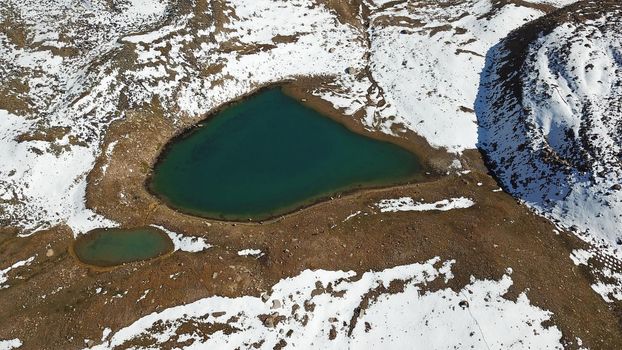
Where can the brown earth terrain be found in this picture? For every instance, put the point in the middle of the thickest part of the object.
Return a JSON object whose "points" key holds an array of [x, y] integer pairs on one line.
{"points": [[57, 302]]}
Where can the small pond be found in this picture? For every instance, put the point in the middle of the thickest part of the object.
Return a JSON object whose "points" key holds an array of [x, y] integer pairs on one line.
{"points": [[268, 155], [115, 246]]}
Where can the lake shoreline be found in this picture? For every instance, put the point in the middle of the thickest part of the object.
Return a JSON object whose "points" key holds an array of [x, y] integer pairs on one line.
{"points": [[146, 133], [92, 235], [421, 175]]}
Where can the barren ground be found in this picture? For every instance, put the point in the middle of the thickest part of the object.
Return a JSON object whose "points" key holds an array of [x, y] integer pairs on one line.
{"points": [[485, 240]]}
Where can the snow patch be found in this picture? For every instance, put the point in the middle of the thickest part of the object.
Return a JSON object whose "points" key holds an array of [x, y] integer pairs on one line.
{"points": [[251, 252], [581, 256], [408, 204], [10, 344], [190, 244], [609, 287], [352, 215], [477, 315], [3, 273]]}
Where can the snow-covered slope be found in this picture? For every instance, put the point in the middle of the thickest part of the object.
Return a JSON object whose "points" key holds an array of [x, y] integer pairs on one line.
{"points": [[340, 310], [550, 110], [426, 58], [56, 100]]}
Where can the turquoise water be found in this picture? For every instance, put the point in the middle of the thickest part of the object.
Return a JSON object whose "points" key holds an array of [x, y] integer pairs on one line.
{"points": [[113, 246], [269, 155]]}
